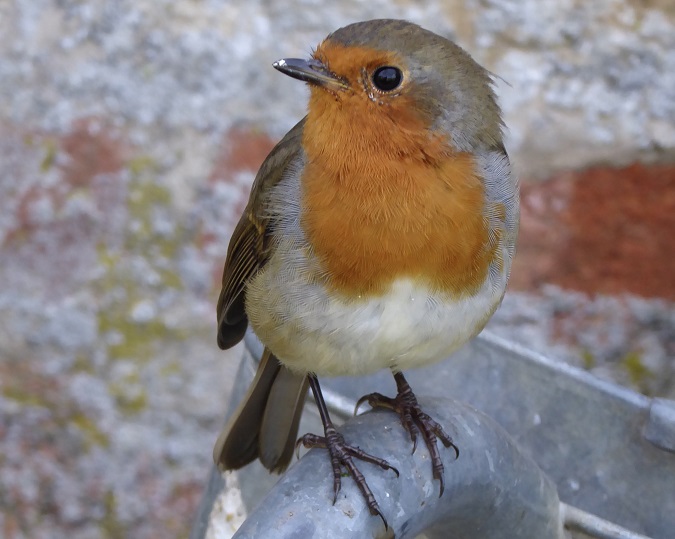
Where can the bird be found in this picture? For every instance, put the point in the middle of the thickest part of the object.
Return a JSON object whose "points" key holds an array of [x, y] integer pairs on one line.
{"points": [[379, 234]]}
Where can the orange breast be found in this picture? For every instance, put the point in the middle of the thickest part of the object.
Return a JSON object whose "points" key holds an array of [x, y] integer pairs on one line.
{"points": [[381, 202]]}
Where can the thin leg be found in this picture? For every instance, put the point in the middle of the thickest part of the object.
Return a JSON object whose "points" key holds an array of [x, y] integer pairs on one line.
{"points": [[342, 454], [415, 421]]}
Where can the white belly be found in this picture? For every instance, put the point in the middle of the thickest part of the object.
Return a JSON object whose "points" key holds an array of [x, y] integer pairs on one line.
{"points": [[407, 327]]}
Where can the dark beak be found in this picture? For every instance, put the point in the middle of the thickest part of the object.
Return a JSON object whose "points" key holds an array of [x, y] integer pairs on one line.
{"points": [[311, 71]]}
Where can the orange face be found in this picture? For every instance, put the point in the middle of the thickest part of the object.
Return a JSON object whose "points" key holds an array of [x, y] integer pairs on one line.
{"points": [[384, 196]]}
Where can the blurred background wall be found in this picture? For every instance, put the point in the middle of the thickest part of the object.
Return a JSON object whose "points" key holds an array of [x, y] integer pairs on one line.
{"points": [[130, 132]]}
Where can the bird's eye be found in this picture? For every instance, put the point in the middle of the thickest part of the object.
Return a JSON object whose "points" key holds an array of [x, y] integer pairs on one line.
{"points": [[387, 78]]}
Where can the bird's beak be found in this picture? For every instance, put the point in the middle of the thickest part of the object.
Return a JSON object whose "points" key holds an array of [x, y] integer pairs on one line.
{"points": [[311, 71]]}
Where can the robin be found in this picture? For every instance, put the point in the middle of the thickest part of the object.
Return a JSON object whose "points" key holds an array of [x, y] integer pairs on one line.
{"points": [[379, 234]]}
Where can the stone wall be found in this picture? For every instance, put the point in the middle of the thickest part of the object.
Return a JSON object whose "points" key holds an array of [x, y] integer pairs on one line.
{"points": [[130, 131]]}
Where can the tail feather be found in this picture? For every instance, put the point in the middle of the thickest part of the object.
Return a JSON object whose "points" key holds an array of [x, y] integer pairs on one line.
{"points": [[279, 429], [266, 423]]}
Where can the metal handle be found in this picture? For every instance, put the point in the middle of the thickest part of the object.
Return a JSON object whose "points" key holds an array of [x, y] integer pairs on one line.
{"points": [[492, 491], [596, 417]]}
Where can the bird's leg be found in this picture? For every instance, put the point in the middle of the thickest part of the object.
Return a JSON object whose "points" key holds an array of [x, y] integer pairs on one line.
{"points": [[341, 454], [415, 421]]}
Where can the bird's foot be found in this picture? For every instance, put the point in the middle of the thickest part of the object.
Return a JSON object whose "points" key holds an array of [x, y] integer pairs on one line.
{"points": [[415, 421], [342, 454]]}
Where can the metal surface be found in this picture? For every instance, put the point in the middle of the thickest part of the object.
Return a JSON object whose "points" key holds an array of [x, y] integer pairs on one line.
{"points": [[578, 520], [607, 449], [660, 428], [492, 490]]}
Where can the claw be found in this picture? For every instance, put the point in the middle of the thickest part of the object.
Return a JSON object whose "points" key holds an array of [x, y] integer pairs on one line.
{"points": [[381, 400], [416, 422], [342, 454], [413, 437], [384, 520]]}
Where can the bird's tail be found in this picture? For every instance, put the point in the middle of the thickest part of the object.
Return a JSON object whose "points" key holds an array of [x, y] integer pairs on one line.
{"points": [[265, 425]]}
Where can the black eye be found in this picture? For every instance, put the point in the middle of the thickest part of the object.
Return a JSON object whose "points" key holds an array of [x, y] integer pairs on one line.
{"points": [[386, 78]]}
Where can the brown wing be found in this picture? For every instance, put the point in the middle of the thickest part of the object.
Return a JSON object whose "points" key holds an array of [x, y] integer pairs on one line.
{"points": [[248, 249]]}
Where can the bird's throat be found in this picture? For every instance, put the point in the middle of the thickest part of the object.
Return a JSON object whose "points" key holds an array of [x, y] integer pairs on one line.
{"points": [[379, 206]]}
